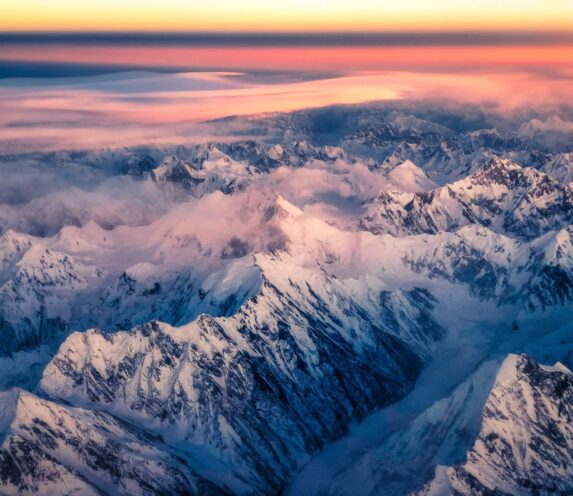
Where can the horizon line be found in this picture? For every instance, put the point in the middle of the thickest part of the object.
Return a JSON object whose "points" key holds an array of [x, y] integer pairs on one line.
{"points": [[516, 37]]}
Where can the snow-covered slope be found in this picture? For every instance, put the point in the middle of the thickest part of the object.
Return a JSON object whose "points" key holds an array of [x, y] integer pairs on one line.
{"points": [[503, 196], [301, 361], [525, 445], [408, 177], [49, 448], [559, 166]]}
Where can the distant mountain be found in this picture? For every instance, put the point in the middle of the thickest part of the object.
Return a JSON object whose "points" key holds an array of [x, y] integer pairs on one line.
{"points": [[501, 195], [211, 170]]}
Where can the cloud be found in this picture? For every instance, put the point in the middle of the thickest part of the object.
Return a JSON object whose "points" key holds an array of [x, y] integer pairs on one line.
{"points": [[553, 123], [552, 132], [136, 107], [41, 202]]}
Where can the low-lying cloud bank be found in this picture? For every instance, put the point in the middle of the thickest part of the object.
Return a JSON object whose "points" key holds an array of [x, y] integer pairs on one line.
{"points": [[141, 103]]}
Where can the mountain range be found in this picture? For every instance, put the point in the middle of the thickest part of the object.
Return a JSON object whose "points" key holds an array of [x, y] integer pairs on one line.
{"points": [[374, 296]]}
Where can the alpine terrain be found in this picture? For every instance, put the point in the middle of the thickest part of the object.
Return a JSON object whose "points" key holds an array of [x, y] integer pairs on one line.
{"points": [[371, 299]]}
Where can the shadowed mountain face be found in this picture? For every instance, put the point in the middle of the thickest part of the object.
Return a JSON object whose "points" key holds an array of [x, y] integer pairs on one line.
{"points": [[326, 298]]}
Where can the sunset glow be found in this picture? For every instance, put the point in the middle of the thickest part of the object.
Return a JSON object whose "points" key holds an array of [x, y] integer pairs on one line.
{"points": [[289, 15], [344, 59], [176, 63]]}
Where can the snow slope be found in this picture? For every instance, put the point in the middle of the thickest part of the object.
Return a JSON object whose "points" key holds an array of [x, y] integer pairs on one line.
{"points": [[301, 360], [50, 448], [525, 444]]}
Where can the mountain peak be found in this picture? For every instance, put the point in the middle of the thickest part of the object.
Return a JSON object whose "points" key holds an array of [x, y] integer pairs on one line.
{"points": [[279, 208], [498, 171], [288, 207], [526, 437]]}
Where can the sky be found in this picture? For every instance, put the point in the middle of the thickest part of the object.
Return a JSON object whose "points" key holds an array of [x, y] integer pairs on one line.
{"points": [[77, 74], [284, 15]]}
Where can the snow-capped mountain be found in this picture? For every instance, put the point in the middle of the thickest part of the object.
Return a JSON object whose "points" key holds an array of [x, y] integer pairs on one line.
{"points": [[306, 303], [533, 276], [210, 171], [501, 195], [408, 177], [505, 429], [37, 291], [83, 275], [525, 442], [50, 448], [277, 362]]}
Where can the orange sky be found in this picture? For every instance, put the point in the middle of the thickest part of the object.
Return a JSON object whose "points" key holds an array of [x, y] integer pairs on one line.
{"points": [[345, 59], [286, 15]]}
